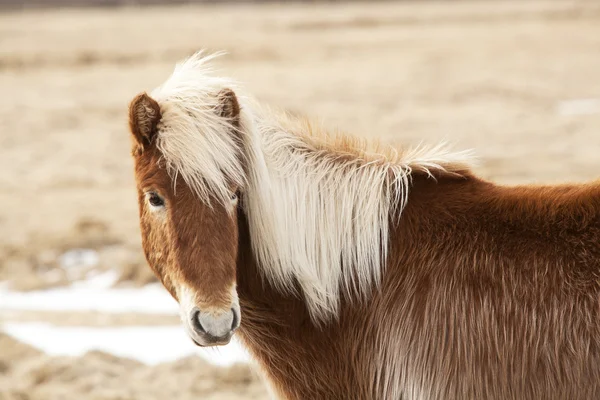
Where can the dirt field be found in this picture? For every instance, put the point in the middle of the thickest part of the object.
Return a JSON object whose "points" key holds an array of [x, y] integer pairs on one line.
{"points": [[26, 374], [488, 76]]}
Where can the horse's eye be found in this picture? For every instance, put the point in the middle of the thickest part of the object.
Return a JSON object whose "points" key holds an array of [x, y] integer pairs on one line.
{"points": [[155, 200], [234, 196]]}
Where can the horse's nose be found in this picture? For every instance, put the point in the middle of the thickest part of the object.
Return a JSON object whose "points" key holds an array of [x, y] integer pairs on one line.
{"points": [[214, 328]]}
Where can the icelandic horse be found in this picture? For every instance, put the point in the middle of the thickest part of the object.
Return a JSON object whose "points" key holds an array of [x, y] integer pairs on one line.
{"points": [[355, 270]]}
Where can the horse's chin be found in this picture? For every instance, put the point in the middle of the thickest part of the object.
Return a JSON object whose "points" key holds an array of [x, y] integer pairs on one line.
{"points": [[216, 343]]}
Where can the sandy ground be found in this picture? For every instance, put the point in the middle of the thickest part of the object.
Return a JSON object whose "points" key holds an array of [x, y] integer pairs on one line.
{"points": [[488, 76], [27, 374]]}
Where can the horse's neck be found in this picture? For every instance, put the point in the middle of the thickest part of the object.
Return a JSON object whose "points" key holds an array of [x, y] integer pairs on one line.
{"points": [[277, 330], [262, 302], [269, 318], [338, 358]]}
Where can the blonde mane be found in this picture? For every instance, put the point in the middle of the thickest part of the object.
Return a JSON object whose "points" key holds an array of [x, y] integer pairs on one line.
{"points": [[318, 205]]}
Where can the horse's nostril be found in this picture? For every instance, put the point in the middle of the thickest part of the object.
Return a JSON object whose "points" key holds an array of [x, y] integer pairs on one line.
{"points": [[210, 327], [196, 321], [236, 320]]}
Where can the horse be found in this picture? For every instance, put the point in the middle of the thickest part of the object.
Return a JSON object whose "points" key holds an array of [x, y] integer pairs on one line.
{"points": [[355, 269]]}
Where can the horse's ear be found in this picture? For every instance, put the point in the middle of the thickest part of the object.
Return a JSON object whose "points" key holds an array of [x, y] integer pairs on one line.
{"points": [[144, 114], [228, 106]]}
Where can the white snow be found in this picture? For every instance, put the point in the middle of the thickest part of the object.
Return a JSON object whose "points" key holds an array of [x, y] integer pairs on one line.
{"points": [[148, 344], [579, 107], [79, 258], [94, 294]]}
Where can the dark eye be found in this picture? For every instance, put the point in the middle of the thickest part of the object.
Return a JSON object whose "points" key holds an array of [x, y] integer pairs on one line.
{"points": [[155, 200]]}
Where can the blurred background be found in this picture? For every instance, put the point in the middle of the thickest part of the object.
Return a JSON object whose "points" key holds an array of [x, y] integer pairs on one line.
{"points": [[81, 315]]}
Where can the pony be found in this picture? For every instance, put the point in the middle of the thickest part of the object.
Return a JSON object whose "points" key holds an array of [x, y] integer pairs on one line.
{"points": [[352, 269]]}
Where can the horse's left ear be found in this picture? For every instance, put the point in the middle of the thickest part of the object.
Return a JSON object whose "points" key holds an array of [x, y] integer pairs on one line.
{"points": [[228, 106], [144, 114]]}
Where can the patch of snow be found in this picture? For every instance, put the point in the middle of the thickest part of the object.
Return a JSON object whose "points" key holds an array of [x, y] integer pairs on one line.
{"points": [[150, 345], [98, 280], [79, 258], [93, 294], [579, 107]]}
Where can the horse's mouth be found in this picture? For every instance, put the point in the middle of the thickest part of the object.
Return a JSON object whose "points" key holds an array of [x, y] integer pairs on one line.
{"points": [[213, 342]]}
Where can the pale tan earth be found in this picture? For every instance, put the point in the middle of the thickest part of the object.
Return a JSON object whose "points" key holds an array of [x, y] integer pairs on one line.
{"points": [[484, 75], [25, 373]]}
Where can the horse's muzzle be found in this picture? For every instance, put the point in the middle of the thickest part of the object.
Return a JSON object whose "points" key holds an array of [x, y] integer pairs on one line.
{"points": [[213, 329]]}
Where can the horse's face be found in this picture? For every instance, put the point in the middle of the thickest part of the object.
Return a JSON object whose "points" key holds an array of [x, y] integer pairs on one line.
{"points": [[190, 245]]}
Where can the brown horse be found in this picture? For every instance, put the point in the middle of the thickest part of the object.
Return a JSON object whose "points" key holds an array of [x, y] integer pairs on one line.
{"points": [[359, 271]]}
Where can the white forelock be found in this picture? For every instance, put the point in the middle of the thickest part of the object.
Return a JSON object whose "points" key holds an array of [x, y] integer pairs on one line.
{"points": [[197, 143]]}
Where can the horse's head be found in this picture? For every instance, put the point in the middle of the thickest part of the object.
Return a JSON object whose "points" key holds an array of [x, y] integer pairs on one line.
{"points": [[189, 173]]}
